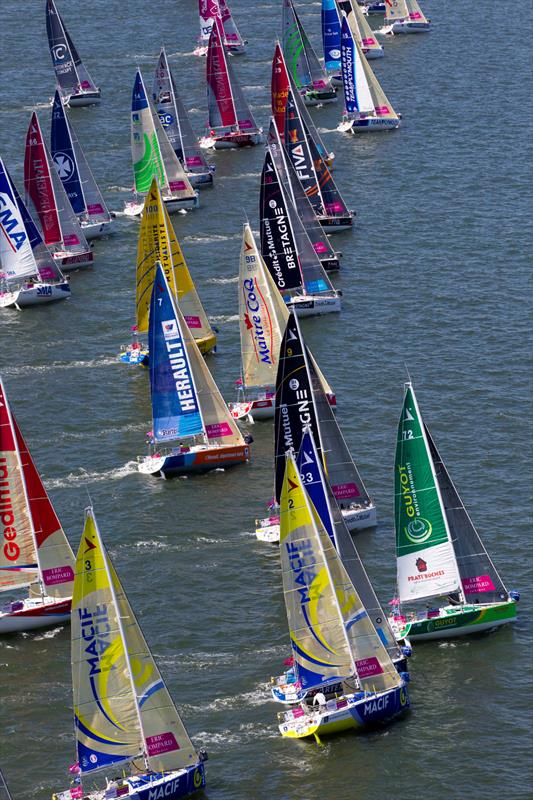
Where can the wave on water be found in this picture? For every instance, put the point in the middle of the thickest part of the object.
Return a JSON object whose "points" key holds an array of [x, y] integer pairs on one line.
{"points": [[223, 318], [214, 237], [223, 280], [132, 427], [34, 106], [47, 634], [25, 369], [245, 732], [327, 130], [256, 697], [119, 189], [84, 477], [238, 177]]}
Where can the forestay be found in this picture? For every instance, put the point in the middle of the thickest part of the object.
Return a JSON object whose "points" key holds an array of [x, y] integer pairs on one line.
{"points": [[425, 556]]}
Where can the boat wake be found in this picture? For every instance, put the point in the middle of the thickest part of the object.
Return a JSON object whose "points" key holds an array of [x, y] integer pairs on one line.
{"points": [[47, 635], [244, 734], [84, 477], [216, 237], [25, 369], [223, 318]]}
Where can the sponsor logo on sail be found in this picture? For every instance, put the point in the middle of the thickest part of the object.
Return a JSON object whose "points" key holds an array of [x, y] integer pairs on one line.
{"points": [[10, 224], [95, 634], [179, 366], [418, 530], [65, 166], [59, 51], [421, 565], [7, 516], [254, 322]]}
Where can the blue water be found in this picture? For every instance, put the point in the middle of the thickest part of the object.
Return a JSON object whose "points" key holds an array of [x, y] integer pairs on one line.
{"points": [[434, 278]]}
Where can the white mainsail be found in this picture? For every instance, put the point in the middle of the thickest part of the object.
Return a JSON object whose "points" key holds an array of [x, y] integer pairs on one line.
{"points": [[16, 255]]}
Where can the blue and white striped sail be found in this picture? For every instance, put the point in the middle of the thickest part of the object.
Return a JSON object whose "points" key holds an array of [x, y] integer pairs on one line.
{"points": [[331, 35], [64, 157], [175, 408], [357, 95], [312, 478]]}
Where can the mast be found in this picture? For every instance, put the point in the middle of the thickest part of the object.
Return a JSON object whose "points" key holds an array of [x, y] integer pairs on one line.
{"points": [[163, 73]]}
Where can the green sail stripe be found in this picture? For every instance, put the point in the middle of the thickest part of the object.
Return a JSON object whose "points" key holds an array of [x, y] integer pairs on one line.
{"points": [[419, 518], [150, 165], [143, 169]]}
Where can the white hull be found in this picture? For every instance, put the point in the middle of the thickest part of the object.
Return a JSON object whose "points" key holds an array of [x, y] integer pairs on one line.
{"points": [[232, 140], [36, 295], [312, 305], [135, 207], [68, 261], [373, 53], [402, 27], [31, 614], [93, 230], [356, 519], [83, 99], [368, 124]]}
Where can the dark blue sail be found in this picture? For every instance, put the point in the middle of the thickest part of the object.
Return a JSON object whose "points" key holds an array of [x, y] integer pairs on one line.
{"points": [[175, 408], [312, 478], [331, 34], [64, 158]]}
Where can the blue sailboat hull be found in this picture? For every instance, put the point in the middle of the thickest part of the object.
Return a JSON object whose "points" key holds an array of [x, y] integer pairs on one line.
{"points": [[169, 787]]}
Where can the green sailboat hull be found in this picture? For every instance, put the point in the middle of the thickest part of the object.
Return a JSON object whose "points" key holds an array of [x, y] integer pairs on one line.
{"points": [[456, 621]]}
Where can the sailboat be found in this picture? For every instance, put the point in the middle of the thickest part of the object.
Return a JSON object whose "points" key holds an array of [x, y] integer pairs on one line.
{"points": [[404, 16], [35, 553], [177, 126], [308, 74], [439, 552], [301, 402], [287, 688], [314, 175], [28, 274], [361, 30], [75, 85], [329, 258], [263, 317], [125, 719], [62, 232], [331, 39], [193, 429], [209, 10], [75, 174], [157, 243], [280, 85], [367, 106], [153, 156], [332, 637], [288, 252], [230, 120]]}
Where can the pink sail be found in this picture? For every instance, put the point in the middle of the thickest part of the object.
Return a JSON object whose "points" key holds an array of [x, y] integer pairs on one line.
{"points": [[280, 90], [38, 183], [218, 83]]}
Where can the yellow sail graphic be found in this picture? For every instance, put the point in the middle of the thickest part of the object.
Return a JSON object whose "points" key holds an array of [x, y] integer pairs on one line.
{"points": [[318, 637], [158, 242], [106, 719], [336, 621], [122, 708]]}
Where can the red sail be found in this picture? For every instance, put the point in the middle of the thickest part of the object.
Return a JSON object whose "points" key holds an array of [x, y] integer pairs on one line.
{"points": [[218, 84], [38, 183], [280, 89]]}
